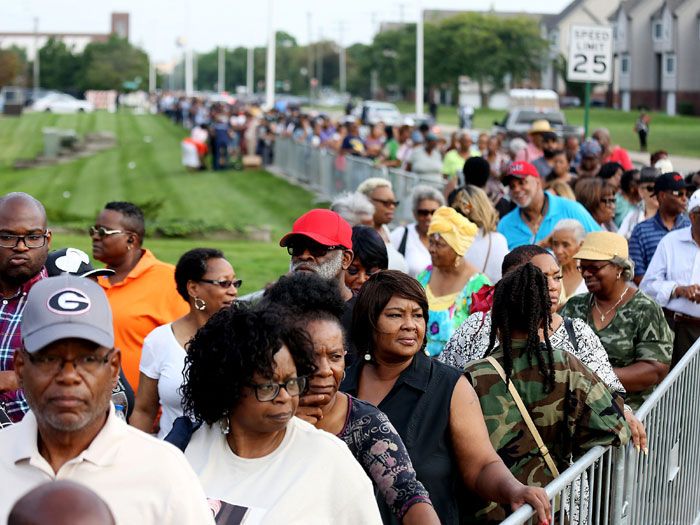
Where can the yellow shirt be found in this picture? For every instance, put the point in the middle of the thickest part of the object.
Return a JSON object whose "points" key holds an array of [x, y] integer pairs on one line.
{"points": [[144, 300]]}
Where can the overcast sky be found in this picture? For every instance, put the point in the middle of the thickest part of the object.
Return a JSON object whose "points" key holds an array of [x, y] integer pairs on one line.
{"points": [[155, 24]]}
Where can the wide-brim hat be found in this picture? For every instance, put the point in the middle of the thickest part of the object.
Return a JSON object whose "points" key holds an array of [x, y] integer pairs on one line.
{"points": [[540, 126], [603, 246]]}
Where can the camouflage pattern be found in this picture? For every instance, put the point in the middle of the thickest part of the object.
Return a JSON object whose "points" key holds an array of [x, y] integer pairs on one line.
{"points": [[638, 332], [578, 414]]}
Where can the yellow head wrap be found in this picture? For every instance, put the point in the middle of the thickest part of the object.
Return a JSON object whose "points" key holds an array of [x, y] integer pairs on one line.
{"points": [[456, 229]]}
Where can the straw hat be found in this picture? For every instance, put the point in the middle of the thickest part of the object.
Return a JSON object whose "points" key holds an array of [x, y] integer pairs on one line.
{"points": [[603, 246], [540, 126]]}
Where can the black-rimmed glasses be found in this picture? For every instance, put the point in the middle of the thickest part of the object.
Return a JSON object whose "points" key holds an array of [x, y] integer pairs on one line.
{"points": [[31, 240], [53, 364], [224, 283], [269, 391], [388, 203], [316, 250]]}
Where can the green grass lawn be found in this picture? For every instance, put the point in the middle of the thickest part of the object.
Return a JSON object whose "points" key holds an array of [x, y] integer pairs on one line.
{"points": [[75, 191]]}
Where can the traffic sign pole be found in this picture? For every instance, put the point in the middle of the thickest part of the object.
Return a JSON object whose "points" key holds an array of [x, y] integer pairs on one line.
{"points": [[587, 109]]}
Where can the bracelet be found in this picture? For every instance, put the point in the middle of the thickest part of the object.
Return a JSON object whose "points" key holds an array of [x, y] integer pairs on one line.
{"points": [[628, 409]]}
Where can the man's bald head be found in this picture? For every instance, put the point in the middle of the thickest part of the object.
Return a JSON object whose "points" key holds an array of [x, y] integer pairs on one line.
{"points": [[18, 198], [60, 503]]}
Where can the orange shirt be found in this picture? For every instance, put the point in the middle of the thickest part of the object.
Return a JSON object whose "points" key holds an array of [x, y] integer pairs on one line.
{"points": [[146, 299]]}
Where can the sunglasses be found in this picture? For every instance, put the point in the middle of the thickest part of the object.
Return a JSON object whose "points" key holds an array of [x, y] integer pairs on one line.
{"points": [[316, 250], [678, 193], [593, 270], [103, 232], [224, 283], [425, 213], [387, 203], [608, 201], [647, 187]]}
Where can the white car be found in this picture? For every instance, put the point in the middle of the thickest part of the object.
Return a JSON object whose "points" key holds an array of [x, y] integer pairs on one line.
{"points": [[372, 111], [62, 103]]}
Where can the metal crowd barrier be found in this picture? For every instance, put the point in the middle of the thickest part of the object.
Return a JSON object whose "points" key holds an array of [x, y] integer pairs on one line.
{"points": [[329, 174], [630, 488]]}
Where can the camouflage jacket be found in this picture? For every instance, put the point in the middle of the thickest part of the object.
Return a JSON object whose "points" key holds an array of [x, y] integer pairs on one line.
{"points": [[578, 414], [638, 332]]}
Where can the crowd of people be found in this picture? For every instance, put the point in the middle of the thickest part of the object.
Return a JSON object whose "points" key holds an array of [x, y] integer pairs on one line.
{"points": [[442, 371]]}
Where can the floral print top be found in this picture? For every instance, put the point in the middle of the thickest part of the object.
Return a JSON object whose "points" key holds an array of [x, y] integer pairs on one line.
{"points": [[377, 446], [445, 318]]}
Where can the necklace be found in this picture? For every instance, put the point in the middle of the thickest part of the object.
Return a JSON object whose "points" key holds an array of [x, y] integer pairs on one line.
{"points": [[604, 315]]}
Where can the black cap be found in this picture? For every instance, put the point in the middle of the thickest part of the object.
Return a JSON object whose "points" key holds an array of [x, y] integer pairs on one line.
{"points": [[73, 261], [670, 182]]}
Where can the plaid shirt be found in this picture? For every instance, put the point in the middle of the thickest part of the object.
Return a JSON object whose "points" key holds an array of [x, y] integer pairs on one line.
{"points": [[11, 310]]}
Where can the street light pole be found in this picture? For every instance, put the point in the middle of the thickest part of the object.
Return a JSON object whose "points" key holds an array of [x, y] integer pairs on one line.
{"points": [[270, 66], [222, 69], [419, 61], [249, 71], [342, 81]]}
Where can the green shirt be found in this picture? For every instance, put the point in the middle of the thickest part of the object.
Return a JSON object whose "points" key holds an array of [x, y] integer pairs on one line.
{"points": [[452, 163], [577, 415], [638, 332]]}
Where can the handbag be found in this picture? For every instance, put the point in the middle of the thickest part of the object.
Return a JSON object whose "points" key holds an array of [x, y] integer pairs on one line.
{"points": [[544, 451]]}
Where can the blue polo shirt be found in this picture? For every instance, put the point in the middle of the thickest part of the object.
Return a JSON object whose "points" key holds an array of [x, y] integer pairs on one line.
{"points": [[517, 232], [646, 236]]}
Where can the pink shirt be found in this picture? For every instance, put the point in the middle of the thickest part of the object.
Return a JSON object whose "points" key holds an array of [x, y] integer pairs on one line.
{"points": [[530, 153]]}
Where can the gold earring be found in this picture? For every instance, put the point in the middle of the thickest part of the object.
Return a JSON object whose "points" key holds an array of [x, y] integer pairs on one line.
{"points": [[200, 304]]}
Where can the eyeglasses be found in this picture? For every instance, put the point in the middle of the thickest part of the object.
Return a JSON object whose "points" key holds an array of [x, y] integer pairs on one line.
{"points": [[316, 250], [354, 270], [53, 364], [678, 193], [647, 187], [103, 232], [31, 240], [608, 201], [224, 283], [593, 270], [269, 391], [425, 213], [388, 203]]}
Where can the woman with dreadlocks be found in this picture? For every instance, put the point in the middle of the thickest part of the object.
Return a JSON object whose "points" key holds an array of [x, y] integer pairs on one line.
{"points": [[564, 405]]}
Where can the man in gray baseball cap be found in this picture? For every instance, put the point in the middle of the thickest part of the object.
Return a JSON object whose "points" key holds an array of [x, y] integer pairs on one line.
{"points": [[67, 367]]}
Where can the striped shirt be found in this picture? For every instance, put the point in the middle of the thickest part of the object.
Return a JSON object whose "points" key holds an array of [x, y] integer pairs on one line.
{"points": [[11, 310], [646, 237]]}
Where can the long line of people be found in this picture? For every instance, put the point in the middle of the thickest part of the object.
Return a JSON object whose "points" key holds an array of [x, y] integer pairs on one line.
{"points": [[440, 373]]}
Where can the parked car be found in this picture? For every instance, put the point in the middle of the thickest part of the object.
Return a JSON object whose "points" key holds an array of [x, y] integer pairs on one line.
{"points": [[569, 102], [518, 121], [373, 111], [62, 103]]}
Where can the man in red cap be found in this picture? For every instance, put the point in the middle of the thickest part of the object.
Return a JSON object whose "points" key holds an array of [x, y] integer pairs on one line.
{"points": [[321, 242], [537, 212]]}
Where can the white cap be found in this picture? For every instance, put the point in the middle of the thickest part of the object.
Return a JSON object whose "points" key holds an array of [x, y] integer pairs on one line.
{"points": [[694, 201]]}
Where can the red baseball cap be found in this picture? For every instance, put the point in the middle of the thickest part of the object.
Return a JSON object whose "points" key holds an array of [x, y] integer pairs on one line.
{"points": [[521, 169], [323, 226]]}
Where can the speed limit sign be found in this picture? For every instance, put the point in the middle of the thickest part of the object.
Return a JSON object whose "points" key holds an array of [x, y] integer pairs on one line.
{"points": [[590, 54]]}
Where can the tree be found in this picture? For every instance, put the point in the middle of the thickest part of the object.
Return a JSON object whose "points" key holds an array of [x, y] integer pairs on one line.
{"points": [[107, 65], [10, 66], [60, 68]]}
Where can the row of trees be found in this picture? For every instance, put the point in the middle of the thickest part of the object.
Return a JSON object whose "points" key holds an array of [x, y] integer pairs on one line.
{"points": [[101, 65], [485, 47]]}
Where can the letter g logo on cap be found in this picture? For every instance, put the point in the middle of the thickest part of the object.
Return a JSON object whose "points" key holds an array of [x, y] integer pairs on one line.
{"points": [[69, 301]]}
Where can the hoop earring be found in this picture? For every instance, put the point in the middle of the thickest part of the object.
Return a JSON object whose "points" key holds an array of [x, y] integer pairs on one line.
{"points": [[343, 378], [200, 304], [225, 425]]}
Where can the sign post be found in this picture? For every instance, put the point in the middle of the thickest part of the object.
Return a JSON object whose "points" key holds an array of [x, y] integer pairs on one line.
{"points": [[590, 60]]}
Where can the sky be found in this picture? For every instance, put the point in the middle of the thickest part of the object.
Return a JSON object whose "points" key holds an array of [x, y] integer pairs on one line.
{"points": [[206, 24]]}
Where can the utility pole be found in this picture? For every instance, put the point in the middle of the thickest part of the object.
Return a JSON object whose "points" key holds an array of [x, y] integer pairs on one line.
{"points": [[36, 58], [419, 61], [310, 56], [250, 71], [319, 49], [221, 84], [342, 68], [270, 65]]}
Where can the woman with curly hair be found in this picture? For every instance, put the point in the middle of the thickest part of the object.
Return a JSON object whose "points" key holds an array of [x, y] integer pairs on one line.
{"points": [[245, 371], [317, 307], [566, 406]]}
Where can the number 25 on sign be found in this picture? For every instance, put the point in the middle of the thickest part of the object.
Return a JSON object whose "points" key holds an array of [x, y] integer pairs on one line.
{"points": [[590, 54]]}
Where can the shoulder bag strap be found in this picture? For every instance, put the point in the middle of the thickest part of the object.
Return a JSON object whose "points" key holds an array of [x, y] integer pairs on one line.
{"points": [[526, 417], [569, 325], [488, 252], [402, 245]]}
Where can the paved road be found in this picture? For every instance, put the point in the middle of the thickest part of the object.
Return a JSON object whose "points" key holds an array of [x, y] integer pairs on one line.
{"points": [[682, 165]]}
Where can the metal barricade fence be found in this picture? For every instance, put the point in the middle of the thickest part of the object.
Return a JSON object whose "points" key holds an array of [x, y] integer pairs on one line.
{"points": [[631, 488], [329, 174]]}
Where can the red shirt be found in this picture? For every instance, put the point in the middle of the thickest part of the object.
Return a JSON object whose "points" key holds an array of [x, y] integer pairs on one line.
{"points": [[620, 156]]}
